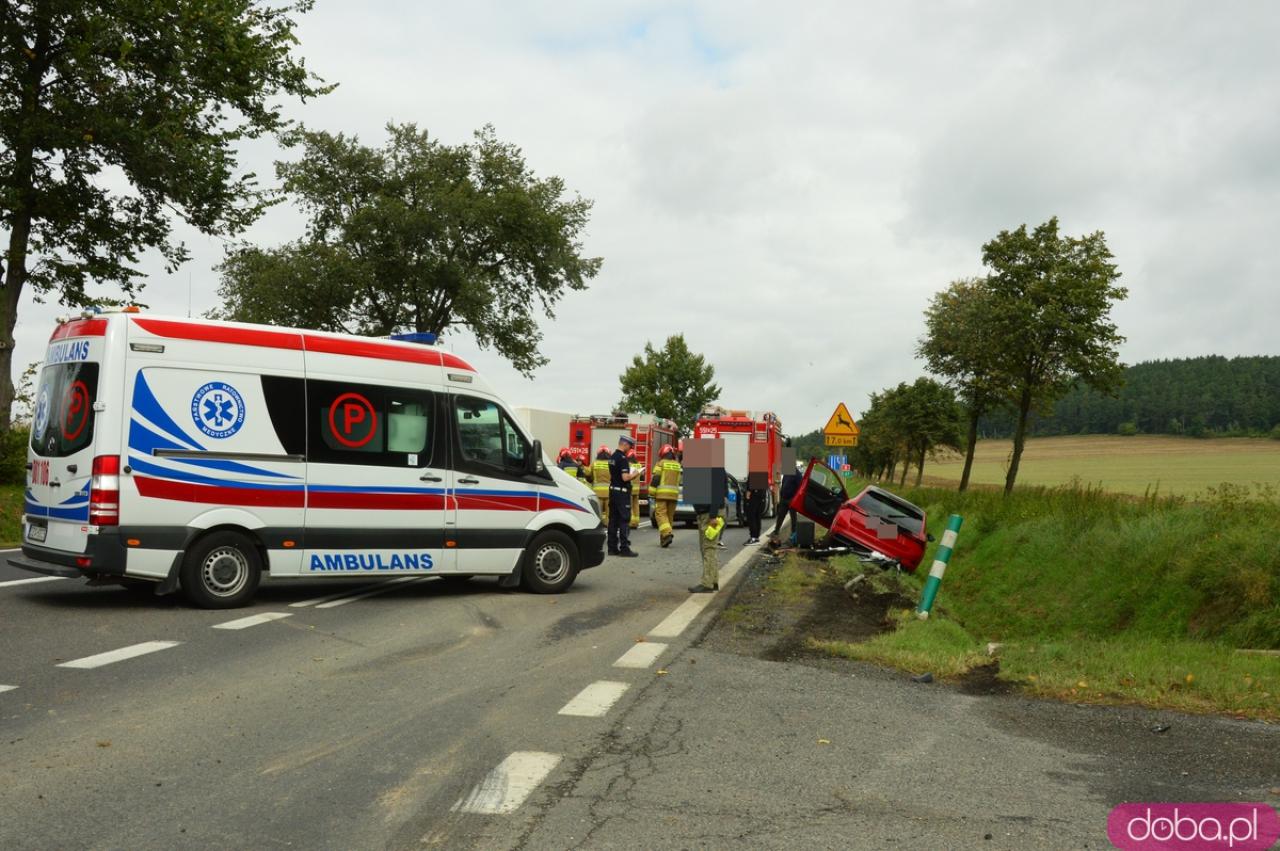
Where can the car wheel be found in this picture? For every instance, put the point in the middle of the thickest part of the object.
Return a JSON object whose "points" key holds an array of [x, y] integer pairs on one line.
{"points": [[221, 571], [550, 563]]}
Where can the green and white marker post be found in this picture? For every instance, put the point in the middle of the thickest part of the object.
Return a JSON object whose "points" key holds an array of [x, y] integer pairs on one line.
{"points": [[940, 560]]}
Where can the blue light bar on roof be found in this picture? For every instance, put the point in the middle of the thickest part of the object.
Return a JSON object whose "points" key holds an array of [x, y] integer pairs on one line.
{"points": [[425, 338]]}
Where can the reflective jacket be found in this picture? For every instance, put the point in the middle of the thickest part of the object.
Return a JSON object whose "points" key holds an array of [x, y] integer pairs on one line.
{"points": [[600, 477], [666, 480]]}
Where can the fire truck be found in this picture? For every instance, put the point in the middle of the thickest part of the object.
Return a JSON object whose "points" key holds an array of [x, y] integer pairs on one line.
{"points": [[588, 433], [741, 431]]}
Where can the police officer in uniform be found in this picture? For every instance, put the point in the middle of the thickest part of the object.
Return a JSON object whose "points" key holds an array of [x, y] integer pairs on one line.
{"points": [[620, 476]]}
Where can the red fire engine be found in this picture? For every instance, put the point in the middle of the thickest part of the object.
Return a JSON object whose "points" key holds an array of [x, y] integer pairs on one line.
{"points": [[741, 431], [588, 433]]}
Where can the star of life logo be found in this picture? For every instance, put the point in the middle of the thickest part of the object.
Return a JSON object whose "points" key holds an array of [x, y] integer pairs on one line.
{"points": [[217, 409], [42, 411]]}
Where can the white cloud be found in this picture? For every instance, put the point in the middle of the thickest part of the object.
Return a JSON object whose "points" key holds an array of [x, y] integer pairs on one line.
{"points": [[788, 185]]}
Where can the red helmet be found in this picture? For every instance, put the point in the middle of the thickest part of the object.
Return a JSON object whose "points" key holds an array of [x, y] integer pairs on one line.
{"points": [[667, 451], [564, 450], [604, 449], [603, 452]]}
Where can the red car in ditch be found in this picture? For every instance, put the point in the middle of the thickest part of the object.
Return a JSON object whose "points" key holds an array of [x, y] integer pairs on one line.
{"points": [[874, 521]]}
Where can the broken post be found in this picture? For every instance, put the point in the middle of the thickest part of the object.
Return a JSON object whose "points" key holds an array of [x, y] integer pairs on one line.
{"points": [[940, 560]]}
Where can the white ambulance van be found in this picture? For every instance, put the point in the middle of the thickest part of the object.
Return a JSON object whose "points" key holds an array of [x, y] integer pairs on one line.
{"points": [[201, 456]]}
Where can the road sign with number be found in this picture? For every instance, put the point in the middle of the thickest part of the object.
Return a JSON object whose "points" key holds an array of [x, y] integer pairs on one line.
{"points": [[841, 430]]}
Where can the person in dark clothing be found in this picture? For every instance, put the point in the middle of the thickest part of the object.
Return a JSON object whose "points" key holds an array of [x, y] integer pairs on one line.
{"points": [[620, 476], [790, 484], [753, 508]]}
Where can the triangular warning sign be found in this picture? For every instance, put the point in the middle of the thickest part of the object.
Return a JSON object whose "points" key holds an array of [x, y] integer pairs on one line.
{"points": [[841, 422]]}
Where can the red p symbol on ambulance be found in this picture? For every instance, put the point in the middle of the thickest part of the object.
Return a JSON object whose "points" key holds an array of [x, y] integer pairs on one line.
{"points": [[356, 412]]}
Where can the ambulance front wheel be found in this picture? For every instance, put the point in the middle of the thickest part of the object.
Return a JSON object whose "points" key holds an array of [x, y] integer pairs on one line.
{"points": [[221, 571], [550, 563]]}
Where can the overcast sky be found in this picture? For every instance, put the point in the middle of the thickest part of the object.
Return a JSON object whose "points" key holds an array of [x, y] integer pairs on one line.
{"points": [[787, 184]]}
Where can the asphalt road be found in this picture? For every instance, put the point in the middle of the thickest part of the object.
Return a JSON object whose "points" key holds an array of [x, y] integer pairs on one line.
{"points": [[431, 714], [358, 722]]}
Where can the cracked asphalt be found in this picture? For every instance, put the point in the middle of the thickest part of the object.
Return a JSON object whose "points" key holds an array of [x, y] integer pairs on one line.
{"points": [[365, 725]]}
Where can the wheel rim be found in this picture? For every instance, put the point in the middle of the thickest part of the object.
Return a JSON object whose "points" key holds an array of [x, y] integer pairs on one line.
{"points": [[551, 563], [224, 571]]}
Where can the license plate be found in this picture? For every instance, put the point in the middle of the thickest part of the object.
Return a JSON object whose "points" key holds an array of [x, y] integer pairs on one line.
{"points": [[37, 533]]}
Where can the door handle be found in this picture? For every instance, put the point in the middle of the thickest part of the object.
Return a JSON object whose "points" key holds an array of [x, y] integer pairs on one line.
{"points": [[430, 477], [468, 481], [54, 483]]}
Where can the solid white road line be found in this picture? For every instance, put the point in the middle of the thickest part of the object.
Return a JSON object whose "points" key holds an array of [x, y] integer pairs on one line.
{"points": [[32, 581], [641, 655], [507, 786], [595, 700], [302, 604], [252, 620], [7, 688], [389, 585], [119, 655], [675, 623]]}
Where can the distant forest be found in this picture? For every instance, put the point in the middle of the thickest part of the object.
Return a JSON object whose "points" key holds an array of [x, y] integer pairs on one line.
{"points": [[1208, 396], [1199, 397]]}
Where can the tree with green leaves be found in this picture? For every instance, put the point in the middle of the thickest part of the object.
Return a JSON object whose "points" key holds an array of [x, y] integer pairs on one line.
{"points": [[928, 419], [417, 235], [115, 118], [671, 382], [958, 346], [1050, 298]]}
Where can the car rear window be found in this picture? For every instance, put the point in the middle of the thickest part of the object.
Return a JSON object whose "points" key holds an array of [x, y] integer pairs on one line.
{"points": [[903, 514], [64, 415]]}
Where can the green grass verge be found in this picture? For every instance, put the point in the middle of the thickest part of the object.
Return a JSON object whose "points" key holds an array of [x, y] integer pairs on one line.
{"points": [[1104, 598], [10, 515]]}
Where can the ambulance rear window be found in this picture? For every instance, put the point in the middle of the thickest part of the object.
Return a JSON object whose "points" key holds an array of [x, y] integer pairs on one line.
{"points": [[63, 421]]}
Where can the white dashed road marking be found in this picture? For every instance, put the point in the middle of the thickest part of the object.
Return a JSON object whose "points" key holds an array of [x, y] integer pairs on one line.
{"points": [[507, 786], [595, 700], [119, 655], [252, 620], [641, 655], [7, 688], [31, 581], [389, 585]]}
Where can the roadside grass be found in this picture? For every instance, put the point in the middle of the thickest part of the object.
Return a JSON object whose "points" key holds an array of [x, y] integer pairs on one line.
{"points": [[1179, 466], [791, 583], [11, 497], [1100, 597]]}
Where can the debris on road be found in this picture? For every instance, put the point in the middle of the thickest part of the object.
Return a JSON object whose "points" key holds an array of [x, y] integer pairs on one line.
{"points": [[923, 678]]}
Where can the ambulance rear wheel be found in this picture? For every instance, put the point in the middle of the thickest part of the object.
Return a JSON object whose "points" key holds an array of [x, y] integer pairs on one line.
{"points": [[550, 563], [221, 571]]}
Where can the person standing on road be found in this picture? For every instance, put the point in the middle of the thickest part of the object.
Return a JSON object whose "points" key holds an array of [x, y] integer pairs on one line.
{"points": [[569, 464], [600, 481], [790, 484], [754, 509], [710, 525], [635, 489], [664, 490], [620, 476]]}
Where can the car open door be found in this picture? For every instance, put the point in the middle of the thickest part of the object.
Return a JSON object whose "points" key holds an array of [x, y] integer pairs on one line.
{"points": [[820, 495]]}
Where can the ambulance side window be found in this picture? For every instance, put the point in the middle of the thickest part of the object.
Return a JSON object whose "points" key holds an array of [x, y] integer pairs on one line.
{"points": [[487, 437], [286, 401], [368, 424]]}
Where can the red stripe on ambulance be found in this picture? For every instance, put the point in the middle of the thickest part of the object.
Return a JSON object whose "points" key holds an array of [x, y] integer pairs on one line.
{"points": [[80, 328], [349, 347]]}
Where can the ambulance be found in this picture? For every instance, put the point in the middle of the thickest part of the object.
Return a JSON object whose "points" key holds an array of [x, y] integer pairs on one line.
{"points": [[203, 456]]}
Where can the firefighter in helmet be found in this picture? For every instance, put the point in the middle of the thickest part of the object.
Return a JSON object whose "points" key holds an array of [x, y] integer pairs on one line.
{"points": [[664, 489], [635, 490], [600, 481], [568, 463]]}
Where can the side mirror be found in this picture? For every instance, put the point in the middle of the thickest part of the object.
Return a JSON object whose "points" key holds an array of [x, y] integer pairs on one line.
{"points": [[533, 461]]}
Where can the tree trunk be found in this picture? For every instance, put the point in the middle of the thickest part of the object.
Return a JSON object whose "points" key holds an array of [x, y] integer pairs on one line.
{"points": [[1019, 439], [920, 467], [970, 447], [14, 276], [906, 468]]}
